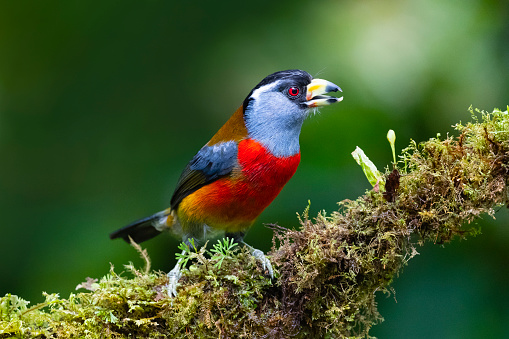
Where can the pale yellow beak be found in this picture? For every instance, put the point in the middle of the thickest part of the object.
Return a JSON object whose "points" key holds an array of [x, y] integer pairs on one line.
{"points": [[315, 93]]}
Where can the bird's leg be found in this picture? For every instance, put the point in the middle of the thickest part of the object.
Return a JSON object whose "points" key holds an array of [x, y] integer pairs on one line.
{"points": [[258, 254], [174, 276]]}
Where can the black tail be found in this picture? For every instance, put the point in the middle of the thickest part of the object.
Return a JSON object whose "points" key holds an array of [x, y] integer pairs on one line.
{"points": [[140, 230]]}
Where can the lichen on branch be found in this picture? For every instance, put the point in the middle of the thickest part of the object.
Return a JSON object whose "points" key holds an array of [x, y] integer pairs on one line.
{"points": [[327, 272]]}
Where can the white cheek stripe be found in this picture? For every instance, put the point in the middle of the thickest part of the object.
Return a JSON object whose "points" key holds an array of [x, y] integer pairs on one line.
{"points": [[264, 88]]}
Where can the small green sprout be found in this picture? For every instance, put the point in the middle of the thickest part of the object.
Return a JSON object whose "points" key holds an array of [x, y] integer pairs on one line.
{"points": [[391, 136], [222, 250], [185, 255], [372, 174]]}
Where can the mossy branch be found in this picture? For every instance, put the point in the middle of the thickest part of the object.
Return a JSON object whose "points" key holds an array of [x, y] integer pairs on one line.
{"points": [[327, 272]]}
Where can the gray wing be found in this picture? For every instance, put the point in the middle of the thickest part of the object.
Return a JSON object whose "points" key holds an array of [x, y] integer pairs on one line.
{"points": [[208, 165]]}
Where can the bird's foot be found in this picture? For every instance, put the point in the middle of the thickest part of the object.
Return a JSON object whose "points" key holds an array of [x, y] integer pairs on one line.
{"points": [[263, 259], [173, 276]]}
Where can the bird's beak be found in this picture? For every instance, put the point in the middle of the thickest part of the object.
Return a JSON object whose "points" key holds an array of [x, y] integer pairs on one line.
{"points": [[315, 94]]}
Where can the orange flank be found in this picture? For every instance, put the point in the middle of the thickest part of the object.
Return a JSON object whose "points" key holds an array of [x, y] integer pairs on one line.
{"points": [[233, 203]]}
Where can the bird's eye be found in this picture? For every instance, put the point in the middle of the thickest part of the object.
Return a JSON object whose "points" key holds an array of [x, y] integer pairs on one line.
{"points": [[293, 91]]}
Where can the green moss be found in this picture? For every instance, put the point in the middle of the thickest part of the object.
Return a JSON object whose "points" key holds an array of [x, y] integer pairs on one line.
{"points": [[327, 272]]}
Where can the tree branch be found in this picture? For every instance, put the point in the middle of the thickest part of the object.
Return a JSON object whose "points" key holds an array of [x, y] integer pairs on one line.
{"points": [[327, 272]]}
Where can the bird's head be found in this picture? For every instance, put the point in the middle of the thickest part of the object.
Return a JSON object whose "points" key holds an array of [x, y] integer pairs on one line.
{"points": [[291, 90], [276, 108]]}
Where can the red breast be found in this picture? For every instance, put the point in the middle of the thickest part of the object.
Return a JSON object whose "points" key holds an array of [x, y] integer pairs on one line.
{"points": [[233, 203]]}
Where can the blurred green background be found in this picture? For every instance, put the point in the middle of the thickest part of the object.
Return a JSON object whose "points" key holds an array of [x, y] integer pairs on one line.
{"points": [[102, 104]]}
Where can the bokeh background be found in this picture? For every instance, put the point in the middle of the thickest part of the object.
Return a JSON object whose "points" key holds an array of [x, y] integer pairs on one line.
{"points": [[103, 103]]}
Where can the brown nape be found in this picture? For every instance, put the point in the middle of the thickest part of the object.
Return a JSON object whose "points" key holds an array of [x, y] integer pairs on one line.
{"points": [[233, 130]]}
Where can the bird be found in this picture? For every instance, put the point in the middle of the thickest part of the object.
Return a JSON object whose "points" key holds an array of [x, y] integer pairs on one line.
{"points": [[241, 170]]}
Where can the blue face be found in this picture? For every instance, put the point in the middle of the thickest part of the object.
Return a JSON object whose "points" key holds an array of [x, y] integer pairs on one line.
{"points": [[275, 110]]}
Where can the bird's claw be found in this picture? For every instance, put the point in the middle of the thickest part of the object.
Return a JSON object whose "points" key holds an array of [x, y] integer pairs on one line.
{"points": [[265, 262], [173, 278]]}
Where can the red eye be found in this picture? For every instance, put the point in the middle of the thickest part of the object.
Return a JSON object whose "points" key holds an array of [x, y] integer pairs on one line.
{"points": [[293, 91]]}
